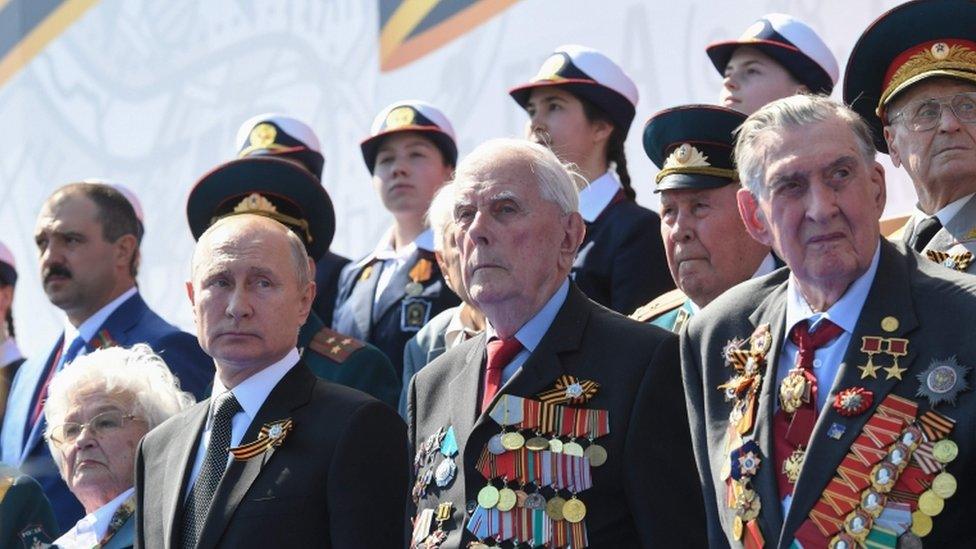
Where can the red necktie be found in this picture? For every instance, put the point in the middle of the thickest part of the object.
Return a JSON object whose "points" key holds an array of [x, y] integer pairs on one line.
{"points": [[793, 431], [500, 353]]}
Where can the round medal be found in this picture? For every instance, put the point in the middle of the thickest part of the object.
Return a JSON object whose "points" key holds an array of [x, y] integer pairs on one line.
{"points": [[573, 448], [857, 524], [883, 477], [944, 485], [535, 501], [737, 528], [488, 497], [873, 503], [537, 444], [930, 504], [945, 451], [445, 473], [413, 289], [898, 455], [596, 454], [554, 508], [513, 440], [556, 445], [520, 497], [495, 445], [574, 510], [908, 540], [506, 499], [921, 524], [842, 541]]}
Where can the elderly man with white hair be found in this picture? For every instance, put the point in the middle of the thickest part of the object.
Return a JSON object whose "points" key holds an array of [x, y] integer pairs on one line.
{"points": [[96, 412], [562, 424]]}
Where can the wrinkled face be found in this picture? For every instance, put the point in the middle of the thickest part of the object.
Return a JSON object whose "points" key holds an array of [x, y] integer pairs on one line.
{"points": [[944, 155], [820, 203], [707, 246], [78, 267], [247, 302], [100, 466], [556, 119], [753, 79], [515, 245], [408, 171], [449, 257]]}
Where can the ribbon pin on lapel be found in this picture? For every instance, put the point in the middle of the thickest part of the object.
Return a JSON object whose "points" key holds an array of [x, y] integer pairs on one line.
{"points": [[958, 262], [271, 436], [568, 389]]}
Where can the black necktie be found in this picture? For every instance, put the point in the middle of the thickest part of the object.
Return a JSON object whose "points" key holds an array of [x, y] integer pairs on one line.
{"points": [[925, 231], [212, 469]]}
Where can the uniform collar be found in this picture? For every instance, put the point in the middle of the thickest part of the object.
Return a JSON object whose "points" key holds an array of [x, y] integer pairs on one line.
{"points": [[90, 326], [947, 212], [595, 197], [92, 527], [460, 328], [253, 391], [844, 313], [530, 334], [385, 250]]}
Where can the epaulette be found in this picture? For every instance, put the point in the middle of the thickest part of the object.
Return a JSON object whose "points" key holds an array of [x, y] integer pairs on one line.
{"points": [[663, 303], [5, 483], [333, 345]]}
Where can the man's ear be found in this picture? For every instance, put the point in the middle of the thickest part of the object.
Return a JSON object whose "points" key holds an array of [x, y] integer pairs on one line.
{"points": [[189, 292], [889, 137], [752, 217], [439, 257], [126, 247], [575, 232]]}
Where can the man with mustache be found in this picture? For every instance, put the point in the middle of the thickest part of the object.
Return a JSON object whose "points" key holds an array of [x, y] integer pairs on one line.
{"points": [[831, 402], [912, 76], [562, 417], [88, 237]]}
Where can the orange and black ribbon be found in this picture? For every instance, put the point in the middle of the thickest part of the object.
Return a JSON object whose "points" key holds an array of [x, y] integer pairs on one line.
{"points": [[265, 440], [568, 389], [957, 261]]}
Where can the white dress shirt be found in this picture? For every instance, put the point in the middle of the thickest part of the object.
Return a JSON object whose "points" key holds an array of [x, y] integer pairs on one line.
{"points": [[250, 394], [89, 328], [87, 532], [393, 260], [595, 197], [944, 215], [459, 328]]}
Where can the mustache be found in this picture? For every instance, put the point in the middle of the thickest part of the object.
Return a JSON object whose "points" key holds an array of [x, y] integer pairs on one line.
{"points": [[56, 270]]}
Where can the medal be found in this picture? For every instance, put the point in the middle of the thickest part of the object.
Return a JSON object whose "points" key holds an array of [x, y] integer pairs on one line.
{"points": [[271, 436], [513, 440], [506, 499], [843, 541], [445, 472], [909, 540], [793, 464], [858, 524], [944, 485], [945, 451], [554, 508], [930, 504], [413, 289], [596, 454], [883, 477], [942, 381], [495, 445], [520, 497], [535, 501], [449, 445], [737, 528], [488, 497], [921, 524], [574, 510], [853, 401], [793, 391], [873, 503], [556, 445], [537, 444], [421, 272], [573, 448]]}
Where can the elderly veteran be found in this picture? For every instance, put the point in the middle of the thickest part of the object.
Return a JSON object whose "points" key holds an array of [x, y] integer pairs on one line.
{"points": [[452, 326], [607, 461], [912, 76], [776, 57], [707, 245], [831, 401], [97, 411]]}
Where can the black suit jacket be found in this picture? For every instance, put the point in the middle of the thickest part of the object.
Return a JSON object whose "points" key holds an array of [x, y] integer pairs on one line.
{"points": [[339, 479], [935, 309], [621, 263], [647, 493]]}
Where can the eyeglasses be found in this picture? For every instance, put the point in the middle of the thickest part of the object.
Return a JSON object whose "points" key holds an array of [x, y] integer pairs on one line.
{"points": [[925, 114], [103, 423]]}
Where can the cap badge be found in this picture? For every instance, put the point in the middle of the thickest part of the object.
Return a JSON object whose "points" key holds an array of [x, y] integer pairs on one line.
{"points": [[255, 202], [940, 50], [262, 136], [550, 68], [939, 56], [686, 156], [399, 117]]}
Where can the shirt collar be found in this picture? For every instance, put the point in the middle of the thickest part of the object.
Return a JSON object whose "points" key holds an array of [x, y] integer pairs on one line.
{"points": [[90, 326], [530, 334], [767, 266], [92, 527], [595, 197], [253, 391], [459, 328], [844, 313], [385, 250], [947, 212], [9, 352]]}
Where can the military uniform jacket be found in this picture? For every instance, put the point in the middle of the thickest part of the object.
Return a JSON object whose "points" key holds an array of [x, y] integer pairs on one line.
{"points": [[669, 311], [646, 494], [390, 321], [621, 263], [950, 245], [935, 309], [338, 479], [132, 322], [26, 517]]}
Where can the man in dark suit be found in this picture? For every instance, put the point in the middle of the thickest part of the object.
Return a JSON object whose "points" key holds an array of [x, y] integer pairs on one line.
{"points": [[500, 422], [831, 402], [276, 457], [88, 237]]}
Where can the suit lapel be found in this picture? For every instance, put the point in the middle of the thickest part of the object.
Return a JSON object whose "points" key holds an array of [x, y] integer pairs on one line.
{"points": [[19, 407], [956, 229], [180, 453], [464, 390], [293, 391], [889, 296]]}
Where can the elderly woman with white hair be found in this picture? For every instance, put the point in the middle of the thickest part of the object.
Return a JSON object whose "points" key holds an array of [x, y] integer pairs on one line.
{"points": [[97, 410]]}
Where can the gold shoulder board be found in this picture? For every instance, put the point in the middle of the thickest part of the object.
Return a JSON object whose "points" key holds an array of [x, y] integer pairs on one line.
{"points": [[661, 304], [333, 345]]}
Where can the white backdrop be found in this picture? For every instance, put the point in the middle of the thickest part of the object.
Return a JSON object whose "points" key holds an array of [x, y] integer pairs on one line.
{"points": [[150, 94]]}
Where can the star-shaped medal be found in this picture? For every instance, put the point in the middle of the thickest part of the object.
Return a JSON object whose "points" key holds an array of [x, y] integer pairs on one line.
{"points": [[894, 371], [869, 370]]}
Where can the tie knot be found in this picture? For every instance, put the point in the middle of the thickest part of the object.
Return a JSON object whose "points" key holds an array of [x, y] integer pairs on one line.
{"points": [[802, 337], [502, 351], [926, 229], [225, 406]]}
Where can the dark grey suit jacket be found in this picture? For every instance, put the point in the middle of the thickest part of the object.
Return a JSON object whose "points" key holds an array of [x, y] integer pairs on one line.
{"points": [[422, 349], [957, 235], [647, 492], [936, 311], [339, 479]]}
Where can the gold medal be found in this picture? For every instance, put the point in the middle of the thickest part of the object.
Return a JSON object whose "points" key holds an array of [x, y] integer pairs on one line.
{"points": [[944, 485], [554, 508], [921, 524], [793, 464], [573, 448], [945, 451], [596, 454], [792, 391], [574, 510], [513, 440], [413, 289], [737, 528], [488, 497], [556, 445], [506, 499], [930, 504], [537, 444]]}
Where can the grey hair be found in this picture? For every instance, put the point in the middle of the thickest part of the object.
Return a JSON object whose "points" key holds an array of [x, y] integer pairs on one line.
{"points": [[440, 215], [557, 182], [791, 112], [136, 373]]}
